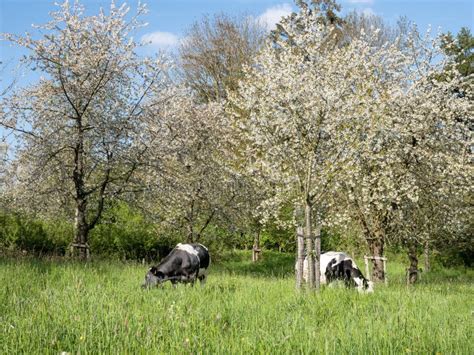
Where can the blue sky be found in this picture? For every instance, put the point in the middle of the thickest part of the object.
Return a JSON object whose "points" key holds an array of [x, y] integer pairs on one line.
{"points": [[168, 19]]}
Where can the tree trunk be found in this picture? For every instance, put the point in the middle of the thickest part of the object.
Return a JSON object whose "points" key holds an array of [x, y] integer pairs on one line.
{"points": [[309, 245], [426, 251], [190, 237], [80, 246], [412, 272], [376, 246], [81, 227], [256, 247], [190, 223], [299, 257], [190, 226], [317, 257]]}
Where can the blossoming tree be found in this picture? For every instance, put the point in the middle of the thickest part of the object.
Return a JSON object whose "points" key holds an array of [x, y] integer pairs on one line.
{"points": [[189, 182], [347, 129], [80, 137], [292, 108]]}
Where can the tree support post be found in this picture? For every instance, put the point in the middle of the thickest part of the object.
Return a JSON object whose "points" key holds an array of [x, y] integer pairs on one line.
{"points": [[256, 253], [256, 248], [367, 271], [299, 257], [317, 257], [81, 249], [426, 252]]}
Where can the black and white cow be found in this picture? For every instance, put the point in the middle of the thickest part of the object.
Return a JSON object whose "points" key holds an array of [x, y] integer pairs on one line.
{"points": [[339, 266], [185, 263]]}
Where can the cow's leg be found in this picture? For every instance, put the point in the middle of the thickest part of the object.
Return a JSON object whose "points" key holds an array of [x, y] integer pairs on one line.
{"points": [[188, 276], [330, 273], [202, 280], [196, 277], [348, 280], [192, 277], [202, 276]]}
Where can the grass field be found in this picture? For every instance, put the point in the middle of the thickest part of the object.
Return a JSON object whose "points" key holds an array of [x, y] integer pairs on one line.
{"points": [[98, 307]]}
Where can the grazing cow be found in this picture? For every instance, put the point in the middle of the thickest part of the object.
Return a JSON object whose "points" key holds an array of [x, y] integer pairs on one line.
{"points": [[185, 263], [339, 266]]}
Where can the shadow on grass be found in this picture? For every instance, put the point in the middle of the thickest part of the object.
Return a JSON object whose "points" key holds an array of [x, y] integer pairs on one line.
{"points": [[272, 264]]}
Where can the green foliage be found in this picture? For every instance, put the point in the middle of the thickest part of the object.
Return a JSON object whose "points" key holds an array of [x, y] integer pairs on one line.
{"points": [[124, 232], [221, 240], [459, 252], [98, 307], [461, 48], [350, 241], [277, 238], [34, 235]]}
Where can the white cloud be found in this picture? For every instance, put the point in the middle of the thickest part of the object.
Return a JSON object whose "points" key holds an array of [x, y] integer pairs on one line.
{"points": [[361, 1], [368, 11], [274, 14], [160, 39]]}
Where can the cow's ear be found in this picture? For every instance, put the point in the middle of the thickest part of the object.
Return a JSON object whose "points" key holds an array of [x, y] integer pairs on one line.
{"points": [[153, 270]]}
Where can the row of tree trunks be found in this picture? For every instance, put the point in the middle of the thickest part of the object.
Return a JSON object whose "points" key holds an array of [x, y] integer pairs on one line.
{"points": [[376, 247]]}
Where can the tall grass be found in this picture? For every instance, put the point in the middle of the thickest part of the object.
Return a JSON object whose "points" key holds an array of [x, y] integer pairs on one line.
{"points": [[98, 307]]}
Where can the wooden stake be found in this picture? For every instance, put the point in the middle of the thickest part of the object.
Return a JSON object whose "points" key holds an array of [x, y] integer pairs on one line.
{"points": [[366, 261], [300, 257]]}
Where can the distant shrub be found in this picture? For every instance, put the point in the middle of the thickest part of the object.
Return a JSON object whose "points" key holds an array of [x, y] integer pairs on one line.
{"points": [[125, 233], [459, 251], [34, 235]]}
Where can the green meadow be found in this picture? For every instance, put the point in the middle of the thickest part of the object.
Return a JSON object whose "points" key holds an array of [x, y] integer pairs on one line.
{"points": [[54, 306]]}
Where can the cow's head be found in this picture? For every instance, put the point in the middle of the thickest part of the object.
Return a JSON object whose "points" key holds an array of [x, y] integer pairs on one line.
{"points": [[369, 288], [364, 285], [361, 283], [153, 277]]}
